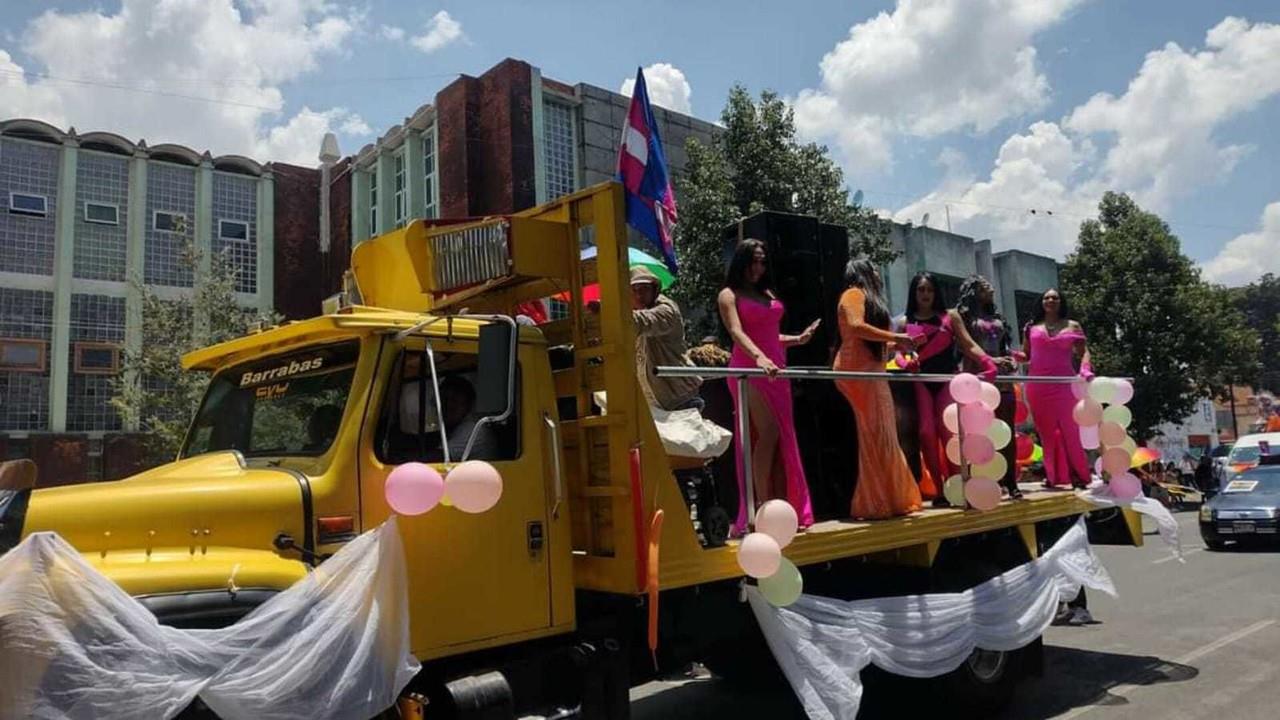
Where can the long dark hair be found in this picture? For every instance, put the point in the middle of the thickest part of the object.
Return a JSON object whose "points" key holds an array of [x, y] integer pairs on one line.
{"points": [[862, 274], [1037, 313], [939, 302], [735, 278], [1064, 312]]}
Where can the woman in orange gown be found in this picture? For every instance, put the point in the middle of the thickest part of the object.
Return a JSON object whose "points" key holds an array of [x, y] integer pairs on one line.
{"points": [[885, 487]]}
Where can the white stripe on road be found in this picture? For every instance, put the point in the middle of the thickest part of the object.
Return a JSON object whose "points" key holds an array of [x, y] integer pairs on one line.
{"points": [[1122, 690], [1224, 641], [1175, 557]]}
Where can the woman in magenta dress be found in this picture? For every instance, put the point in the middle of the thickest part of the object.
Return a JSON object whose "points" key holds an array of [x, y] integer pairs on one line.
{"points": [[1053, 343], [753, 317]]}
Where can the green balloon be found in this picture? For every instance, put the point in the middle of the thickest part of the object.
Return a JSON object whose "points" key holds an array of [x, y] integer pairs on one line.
{"points": [[1101, 389], [953, 490], [1117, 414], [993, 469], [1129, 445], [1000, 433], [783, 587]]}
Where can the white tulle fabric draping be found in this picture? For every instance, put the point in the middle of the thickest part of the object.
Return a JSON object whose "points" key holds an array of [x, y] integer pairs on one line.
{"points": [[74, 645], [1100, 494], [823, 644]]}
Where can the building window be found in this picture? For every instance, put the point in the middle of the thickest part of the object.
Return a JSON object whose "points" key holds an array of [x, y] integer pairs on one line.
{"points": [[401, 192], [373, 201], [560, 163], [22, 355], [169, 222], [97, 358], [21, 203], [235, 204], [429, 209], [233, 230], [101, 213]]}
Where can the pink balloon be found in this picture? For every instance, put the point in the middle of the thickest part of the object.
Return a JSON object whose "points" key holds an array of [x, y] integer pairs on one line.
{"points": [[953, 450], [1111, 434], [1126, 486], [990, 396], [978, 449], [474, 486], [413, 488], [1080, 389], [1089, 437], [759, 555], [1115, 460], [778, 520], [1087, 412], [966, 388], [1123, 391], [982, 494], [975, 418]]}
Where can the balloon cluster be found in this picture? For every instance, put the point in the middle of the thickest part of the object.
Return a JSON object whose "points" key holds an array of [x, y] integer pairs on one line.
{"points": [[760, 554], [414, 488], [978, 437], [1103, 428]]}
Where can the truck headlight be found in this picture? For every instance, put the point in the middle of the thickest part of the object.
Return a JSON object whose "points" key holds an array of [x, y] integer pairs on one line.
{"points": [[1206, 513]]}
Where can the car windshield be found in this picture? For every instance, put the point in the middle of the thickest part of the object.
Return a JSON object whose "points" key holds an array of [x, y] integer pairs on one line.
{"points": [[283, 405], [1221, 451], [1244, 454], [1256, 481]]}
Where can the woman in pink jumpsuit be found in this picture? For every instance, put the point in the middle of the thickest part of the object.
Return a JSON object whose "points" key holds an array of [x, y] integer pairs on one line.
{"points": [[753, 317], [1053, 342]]}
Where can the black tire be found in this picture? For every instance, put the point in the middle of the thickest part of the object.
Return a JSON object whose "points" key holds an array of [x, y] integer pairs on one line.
{"points": [[984, 684]]}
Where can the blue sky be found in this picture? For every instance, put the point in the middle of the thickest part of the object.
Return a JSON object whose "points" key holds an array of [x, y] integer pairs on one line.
{"points": [[979, 108]]}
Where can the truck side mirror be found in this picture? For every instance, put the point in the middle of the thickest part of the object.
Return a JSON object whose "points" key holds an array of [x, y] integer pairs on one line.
{"points": [[495, 371]]}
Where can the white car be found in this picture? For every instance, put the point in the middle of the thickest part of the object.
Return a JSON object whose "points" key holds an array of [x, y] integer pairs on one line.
{"points": [[1245, 453]]}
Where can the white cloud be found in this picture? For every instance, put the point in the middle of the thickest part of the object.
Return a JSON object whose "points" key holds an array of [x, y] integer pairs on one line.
{"points": [[441, 30], [233, 57], [389, 32], [1157, 138], [1040, 170], [929, 67], [1163, 124], [1247, 257], [667, 87]]}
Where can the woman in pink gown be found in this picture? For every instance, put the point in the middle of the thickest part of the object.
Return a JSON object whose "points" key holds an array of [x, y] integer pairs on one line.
{"points": [[1053, 342], [753, 317]]}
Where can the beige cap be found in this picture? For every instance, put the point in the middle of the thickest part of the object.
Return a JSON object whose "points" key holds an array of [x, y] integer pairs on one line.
{"points": [[641, 275]]}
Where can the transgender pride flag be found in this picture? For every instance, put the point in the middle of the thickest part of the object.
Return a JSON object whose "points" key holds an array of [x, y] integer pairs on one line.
{"points": [[642, 168]]}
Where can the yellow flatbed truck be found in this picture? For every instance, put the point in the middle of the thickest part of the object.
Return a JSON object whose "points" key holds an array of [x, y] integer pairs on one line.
{"points": [[541, 603]]}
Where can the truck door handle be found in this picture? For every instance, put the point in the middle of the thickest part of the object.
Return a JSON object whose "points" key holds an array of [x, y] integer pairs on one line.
{"points": [[553, 429]]}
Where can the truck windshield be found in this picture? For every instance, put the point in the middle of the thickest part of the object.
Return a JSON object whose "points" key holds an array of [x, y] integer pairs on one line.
{"points": [[288, 404]]}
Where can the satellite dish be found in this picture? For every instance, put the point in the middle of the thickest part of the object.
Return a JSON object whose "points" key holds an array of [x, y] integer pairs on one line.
{"points": [[857, 198], [924, 221]]}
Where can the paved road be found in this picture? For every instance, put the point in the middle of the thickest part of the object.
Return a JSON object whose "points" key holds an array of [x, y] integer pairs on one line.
{"points": [[1182, 642]]}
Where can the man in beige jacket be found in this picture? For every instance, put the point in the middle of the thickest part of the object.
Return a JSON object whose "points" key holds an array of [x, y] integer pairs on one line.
{"points": [[660, 341]]}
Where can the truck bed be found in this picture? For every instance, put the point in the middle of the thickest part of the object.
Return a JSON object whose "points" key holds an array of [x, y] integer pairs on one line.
{"points": [[909, 540]]}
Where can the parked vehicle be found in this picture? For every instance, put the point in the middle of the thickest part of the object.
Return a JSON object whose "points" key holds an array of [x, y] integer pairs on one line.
{"points": [[1244, 454], [1247, 509]]}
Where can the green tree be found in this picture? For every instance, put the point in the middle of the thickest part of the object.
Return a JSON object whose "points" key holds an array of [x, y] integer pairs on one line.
{"points": [[1260, 303], [153, 392], [757, 164], [1149, 315]]}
